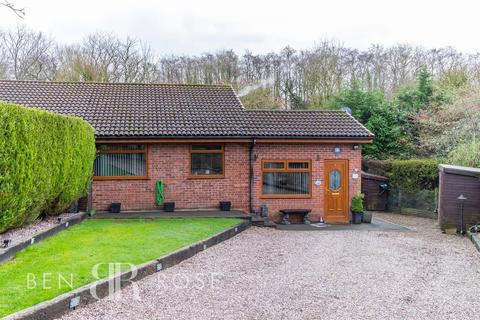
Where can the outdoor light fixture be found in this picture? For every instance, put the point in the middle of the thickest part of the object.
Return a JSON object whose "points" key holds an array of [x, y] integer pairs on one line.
{"points": [[204, 246], [355, 147], [159, 266], [337, 150], [74, 302], [462, 199], [6, 243], [59, 220]]}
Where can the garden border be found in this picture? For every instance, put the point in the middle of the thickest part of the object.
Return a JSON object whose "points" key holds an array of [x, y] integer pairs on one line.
{"points": [[9, 253], [82, 296]]}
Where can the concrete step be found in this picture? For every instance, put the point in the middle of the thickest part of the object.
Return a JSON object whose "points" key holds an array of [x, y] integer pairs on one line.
{"points": [[261, 221]]}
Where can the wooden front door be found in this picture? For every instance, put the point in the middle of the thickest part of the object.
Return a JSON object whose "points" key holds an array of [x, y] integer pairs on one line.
{"points": [[336, 191]]}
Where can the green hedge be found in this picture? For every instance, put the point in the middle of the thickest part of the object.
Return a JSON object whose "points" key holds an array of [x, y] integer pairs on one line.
{"points": [[46, 163], [414, 174]]}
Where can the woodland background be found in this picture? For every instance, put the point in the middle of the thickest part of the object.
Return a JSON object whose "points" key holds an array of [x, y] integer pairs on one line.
{"points": [[420, 103]]}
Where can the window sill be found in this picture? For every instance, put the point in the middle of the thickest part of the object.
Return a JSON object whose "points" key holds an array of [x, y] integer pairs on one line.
{"points": [[104, 178], [213, 176], [286, 196]]}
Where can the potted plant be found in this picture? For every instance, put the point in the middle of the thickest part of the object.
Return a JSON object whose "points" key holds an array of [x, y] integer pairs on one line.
{"points": [[115, 207], [357, 209], [225, 205], [169, 206], [367, 217], [74, 208]]}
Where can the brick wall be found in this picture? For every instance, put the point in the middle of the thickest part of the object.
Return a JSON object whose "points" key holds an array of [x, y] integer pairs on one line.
{"points": [[171, 163], [317, 153]]}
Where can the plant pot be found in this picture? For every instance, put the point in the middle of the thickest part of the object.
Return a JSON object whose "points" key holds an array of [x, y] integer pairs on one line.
{"points": [[115, 207], [357, 217], [225, 205], [74, 208], [169, 206], [367, 217]]}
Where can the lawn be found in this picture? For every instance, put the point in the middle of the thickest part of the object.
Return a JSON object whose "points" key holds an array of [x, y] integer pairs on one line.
{"points": [[71, 254]]}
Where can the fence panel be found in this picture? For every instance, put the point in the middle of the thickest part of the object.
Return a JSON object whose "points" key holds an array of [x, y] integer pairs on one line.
{"points": [[419, 202]]}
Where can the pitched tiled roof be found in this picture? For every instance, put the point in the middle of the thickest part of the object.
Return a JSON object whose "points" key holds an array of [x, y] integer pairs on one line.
{"points": [[172, 110], [309, 123]]}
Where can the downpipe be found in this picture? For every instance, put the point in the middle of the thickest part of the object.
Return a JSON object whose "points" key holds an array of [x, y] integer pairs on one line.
{"points": [[251, 160]]}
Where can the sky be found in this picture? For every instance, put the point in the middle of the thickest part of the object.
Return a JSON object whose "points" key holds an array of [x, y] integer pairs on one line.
{"points": [[195, 27]]}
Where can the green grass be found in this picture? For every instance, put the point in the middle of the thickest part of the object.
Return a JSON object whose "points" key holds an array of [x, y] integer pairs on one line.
{"points": [[76, 250]]}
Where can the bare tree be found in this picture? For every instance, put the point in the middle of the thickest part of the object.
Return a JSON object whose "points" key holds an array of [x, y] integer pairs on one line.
{"points": [[20, 12], [29, 55], [312, 75], [105, 58]]}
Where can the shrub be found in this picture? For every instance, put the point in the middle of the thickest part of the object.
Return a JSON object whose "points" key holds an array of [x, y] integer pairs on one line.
{"points": [[466, 154], [378, 115], [46, 163], [357, 203], [455, 123], [409, 175], [378, 167], [414, 174], [261, 98]]}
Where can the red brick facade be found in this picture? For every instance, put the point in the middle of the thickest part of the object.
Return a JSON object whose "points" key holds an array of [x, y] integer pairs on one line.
{"points": [[317, 153], [171, 164]]}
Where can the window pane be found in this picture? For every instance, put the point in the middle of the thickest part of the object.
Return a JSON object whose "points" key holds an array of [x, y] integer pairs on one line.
{"points": [[273, 165], [207, 147], [298, 165], [207, 163], [105, 147], [133, 147], [286, 183], [120, 164], [335, 180]]}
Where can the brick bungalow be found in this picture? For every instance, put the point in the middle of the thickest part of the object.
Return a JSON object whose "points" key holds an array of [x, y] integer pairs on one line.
{"points": [[205, 147]]}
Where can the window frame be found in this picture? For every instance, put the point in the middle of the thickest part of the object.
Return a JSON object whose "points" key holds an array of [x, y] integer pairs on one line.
{"points": [[286, 169], [218, 151], [119, 150]]}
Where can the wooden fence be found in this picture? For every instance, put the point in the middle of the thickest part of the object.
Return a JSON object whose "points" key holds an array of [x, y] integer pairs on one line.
{"points": [[376, 197]]}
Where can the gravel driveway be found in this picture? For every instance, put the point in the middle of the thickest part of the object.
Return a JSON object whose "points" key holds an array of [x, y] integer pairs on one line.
{"points": [[270, 274]]}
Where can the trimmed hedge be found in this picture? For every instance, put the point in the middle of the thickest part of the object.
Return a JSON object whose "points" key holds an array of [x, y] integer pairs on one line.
{"points": [[410, 175], [46, 163]]}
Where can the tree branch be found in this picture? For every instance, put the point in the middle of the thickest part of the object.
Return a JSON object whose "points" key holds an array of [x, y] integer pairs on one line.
{"points": [[20, 12]]}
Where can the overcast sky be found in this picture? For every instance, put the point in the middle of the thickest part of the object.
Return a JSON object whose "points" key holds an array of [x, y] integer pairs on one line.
{"points": [[193, 27]]}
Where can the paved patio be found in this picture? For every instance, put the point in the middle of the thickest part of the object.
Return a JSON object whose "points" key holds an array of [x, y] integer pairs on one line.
{"points": [[376, 225], [265, 273], [160, 214]]}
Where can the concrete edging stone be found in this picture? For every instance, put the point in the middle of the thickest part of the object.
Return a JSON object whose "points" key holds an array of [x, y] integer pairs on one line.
{"points": [[82, 296]]}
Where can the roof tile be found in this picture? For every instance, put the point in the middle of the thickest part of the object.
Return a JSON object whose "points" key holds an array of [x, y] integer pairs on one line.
{"points": [[130, 109]]}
